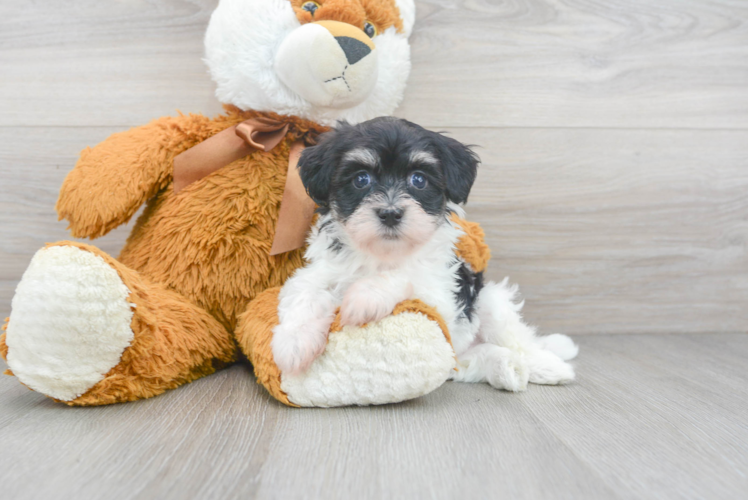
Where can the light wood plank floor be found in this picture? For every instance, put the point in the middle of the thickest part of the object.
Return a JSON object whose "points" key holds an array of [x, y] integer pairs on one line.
{"points": [[613, 190], [651, 416]]}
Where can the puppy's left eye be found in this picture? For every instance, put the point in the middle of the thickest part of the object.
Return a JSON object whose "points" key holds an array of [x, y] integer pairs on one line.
{"points": [[418, 181], [361, 180]]}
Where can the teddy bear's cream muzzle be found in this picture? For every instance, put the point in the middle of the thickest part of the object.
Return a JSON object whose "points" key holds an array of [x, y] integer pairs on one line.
{"points": [[328, 63]]}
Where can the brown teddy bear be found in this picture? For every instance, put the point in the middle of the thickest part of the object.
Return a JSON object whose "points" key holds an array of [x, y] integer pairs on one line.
{"points": [[197, 281]]}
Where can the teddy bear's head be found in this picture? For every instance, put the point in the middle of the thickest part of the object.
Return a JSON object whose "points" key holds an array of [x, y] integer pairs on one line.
{"points": [[323, 60]]}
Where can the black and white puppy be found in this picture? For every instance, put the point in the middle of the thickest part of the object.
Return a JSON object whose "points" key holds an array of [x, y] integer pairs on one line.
{"points": [[386, 189]]}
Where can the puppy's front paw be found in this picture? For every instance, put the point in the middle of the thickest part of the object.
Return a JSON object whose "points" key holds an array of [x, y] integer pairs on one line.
{"points": [[296, 346], [509, 371], [364, 303]]}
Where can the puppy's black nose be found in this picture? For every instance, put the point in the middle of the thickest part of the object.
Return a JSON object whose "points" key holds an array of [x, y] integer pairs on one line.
{"points": [[354, 50], [390, 217]]}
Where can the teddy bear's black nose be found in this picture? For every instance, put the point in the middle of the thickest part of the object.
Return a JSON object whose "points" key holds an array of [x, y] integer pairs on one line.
{"points": [[354, 50]]}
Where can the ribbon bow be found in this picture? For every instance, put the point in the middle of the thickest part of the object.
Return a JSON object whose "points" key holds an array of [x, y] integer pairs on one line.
{"points": [[260, 133]]}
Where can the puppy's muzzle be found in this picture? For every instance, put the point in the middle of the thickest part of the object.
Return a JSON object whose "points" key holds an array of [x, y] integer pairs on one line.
{"points": [[390, 217]]}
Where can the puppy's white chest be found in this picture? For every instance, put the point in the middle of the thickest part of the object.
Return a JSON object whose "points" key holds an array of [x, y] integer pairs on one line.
{"points": [[434, 285]]}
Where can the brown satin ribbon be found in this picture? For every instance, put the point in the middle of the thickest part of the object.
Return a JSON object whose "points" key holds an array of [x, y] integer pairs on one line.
{"points": [[225, 147], [236, 142], [297, 208]]}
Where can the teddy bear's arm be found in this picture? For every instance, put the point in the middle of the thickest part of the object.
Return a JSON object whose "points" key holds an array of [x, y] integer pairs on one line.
{"points": [[472, 247], [111, 180]]}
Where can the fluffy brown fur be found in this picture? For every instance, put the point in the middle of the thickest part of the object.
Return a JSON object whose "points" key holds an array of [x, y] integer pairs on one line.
{"points": [[254, 334], [174, 342], [472, 246], [211, 242], [381, 13], [194, 260], [4, 346]]}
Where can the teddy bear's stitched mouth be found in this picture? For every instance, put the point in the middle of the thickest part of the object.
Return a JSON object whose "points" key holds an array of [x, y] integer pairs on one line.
{"points": [[341, 77]]}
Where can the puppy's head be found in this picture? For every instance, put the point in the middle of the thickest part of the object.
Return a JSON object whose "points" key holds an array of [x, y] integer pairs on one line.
{"points": [[387, 182]]}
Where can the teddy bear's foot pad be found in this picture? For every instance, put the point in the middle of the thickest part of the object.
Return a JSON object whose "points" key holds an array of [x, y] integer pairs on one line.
{"points": [[70, 322], [398, 358]]}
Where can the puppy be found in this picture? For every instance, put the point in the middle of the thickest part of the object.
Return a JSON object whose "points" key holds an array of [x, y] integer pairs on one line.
{"points": [[386, 190]]}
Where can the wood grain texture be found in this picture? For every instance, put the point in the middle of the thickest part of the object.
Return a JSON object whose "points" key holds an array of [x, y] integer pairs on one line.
{"points": [[528, 63], [606, 231], [651, 416], [83, 62], [612, 190], [580, 63], [618, 231]]}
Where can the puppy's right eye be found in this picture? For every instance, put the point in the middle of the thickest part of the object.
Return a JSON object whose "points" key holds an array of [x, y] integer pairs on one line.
{"points": [[418, 181], [361, 180]]}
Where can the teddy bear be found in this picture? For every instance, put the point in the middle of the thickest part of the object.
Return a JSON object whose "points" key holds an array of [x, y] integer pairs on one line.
{"points": [[195, 287]]}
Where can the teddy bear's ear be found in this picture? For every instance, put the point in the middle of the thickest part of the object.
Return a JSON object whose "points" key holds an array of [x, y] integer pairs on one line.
{"points": [[407, 10], [317, 167]]}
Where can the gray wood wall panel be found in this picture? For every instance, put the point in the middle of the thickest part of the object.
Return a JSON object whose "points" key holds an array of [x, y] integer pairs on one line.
{"points": [[614, 138], [581, 63], [606, 231], [534, 63], [84, 62], [615, 231]]}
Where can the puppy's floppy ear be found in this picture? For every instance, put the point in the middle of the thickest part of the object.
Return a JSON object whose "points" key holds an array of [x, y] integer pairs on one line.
{"points": [[317, 167], [459, 165]]}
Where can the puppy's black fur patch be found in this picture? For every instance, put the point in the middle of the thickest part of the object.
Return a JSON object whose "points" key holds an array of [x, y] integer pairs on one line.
{"points": [[470, 284], [328, 176], [336, 245]]}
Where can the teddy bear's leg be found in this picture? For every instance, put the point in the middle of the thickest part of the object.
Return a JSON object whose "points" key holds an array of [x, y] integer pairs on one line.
{"points": [[403, 356], [86, 330]]}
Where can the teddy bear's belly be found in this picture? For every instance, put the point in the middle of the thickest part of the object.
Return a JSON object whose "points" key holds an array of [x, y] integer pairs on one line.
{"points": [[211, 242]]}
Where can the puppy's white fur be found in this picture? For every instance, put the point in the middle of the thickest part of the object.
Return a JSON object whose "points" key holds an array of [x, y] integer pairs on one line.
{"points": [[495, 347], [363, 228], [363, 156]]}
